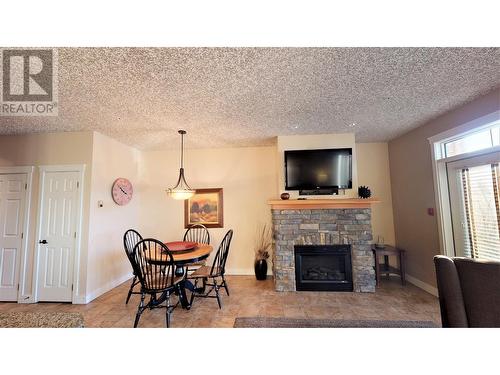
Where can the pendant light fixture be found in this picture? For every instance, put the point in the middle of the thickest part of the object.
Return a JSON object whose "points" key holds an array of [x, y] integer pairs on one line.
{"points": [[181, 191]]}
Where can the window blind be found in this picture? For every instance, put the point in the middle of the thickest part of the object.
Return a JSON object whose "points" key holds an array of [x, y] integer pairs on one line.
{"points": [[481, 211]]}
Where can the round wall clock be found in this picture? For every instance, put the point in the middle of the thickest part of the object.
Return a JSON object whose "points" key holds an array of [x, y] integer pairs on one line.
{"points": [[122, 191]]}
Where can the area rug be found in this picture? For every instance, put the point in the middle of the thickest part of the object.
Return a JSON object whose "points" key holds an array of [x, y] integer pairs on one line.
{"points": [[262, 322], [40, 320]]}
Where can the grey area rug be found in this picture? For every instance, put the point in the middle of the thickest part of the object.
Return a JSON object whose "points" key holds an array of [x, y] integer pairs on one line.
{"points": [[262, 322], [40, 320]]}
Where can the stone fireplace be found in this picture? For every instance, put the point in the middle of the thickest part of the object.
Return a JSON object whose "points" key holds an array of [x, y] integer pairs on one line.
{"points": [[323, 222]]}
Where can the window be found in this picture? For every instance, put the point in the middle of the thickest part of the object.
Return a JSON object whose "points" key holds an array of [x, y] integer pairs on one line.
{"points": [[480, 211], [466, 168], [476, 141]]}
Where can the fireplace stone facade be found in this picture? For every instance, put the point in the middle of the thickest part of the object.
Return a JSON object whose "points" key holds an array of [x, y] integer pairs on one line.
{"points": [[323, 226]]}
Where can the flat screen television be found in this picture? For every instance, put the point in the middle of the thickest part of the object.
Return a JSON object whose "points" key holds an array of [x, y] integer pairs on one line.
{"points": [[318, 169]]}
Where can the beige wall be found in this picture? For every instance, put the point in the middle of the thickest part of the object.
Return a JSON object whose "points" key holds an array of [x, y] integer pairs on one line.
{"points": [[413, 189], [248, 177], [106, 263], [102, 261], [50, 149], [373, 171]]}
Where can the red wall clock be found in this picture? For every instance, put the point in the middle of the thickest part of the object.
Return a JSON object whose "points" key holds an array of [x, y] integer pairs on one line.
{"points": [[122, 191]]}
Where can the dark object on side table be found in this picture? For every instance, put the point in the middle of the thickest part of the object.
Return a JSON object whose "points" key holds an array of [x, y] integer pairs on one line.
{"points": [[260, 268], [364, 192], [469, 292], [385, 268]]}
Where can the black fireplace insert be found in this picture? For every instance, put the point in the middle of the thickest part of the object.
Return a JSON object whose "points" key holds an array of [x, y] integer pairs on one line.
{"points": [[323, 268]]}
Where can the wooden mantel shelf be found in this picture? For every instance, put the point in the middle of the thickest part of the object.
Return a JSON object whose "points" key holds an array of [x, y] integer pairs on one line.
{"points": [[306, 204]]}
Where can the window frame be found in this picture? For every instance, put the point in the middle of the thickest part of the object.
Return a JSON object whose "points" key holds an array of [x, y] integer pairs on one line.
{"points": [[440, 177], [464, 163]]}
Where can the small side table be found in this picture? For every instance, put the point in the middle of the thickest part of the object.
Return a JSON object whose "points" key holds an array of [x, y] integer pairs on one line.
{"points": [[385, 268]]}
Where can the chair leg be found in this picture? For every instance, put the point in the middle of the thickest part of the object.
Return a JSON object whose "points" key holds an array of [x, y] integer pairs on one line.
{"points": [[168, 310], [204, 287], [140, 309], [131, 289], [193, 292], [216, 287], [224, 284]]}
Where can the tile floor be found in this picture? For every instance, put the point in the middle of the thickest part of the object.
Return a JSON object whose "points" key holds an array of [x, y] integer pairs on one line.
{"points": [[255, 298]]}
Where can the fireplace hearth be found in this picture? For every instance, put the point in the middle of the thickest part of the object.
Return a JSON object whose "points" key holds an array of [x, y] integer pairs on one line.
{"points": [[323, 268]]}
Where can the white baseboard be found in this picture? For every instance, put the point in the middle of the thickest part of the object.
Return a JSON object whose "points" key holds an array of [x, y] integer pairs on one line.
{"points": [[246, 271], [105, 288], [418, 283], [26, 299], [80, 300]]}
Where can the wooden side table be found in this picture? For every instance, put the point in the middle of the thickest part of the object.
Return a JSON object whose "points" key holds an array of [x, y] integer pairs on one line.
{"points": [[385, 268]]}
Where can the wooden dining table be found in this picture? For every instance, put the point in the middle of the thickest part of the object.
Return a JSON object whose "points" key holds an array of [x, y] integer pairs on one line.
{"points": [[182, 259]]}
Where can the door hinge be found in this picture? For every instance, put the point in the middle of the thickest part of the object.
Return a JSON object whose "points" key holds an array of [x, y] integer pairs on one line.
{"points": [[22, 235], [26, 186], [18, 287], [77, 184], [71, 287], [75, 234]]}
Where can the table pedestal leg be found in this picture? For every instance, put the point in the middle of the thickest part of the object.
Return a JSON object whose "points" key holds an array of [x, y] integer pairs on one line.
{"points": [[184, 284]]}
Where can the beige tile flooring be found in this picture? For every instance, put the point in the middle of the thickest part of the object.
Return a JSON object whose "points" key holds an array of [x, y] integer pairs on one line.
{"points": [[255, 298]]}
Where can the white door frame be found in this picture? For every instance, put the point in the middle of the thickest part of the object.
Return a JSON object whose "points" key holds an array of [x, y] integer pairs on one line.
{"points": [[23, 294], [79, 168]]}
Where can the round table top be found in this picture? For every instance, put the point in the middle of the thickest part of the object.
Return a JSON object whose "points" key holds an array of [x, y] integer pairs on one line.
{"points": [[199, 252]]}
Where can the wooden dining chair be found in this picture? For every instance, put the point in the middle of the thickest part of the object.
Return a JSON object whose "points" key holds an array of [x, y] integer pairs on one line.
{"points": [[130, 239], [214, 274], [197, 233], [156, 273]]}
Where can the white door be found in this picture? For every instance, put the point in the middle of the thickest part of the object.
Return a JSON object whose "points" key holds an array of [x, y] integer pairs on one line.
{"points": [[12, 202], [475, 206], [57, 236]]}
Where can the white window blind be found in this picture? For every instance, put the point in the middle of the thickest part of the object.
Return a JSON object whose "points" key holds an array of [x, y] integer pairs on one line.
{"points": [[481, 211]]}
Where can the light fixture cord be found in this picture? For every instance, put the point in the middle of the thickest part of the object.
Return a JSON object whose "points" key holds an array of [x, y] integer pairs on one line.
{"points": [[182, 150]]}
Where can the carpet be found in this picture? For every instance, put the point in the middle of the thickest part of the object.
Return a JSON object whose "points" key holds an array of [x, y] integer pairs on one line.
{"points": [[262, 322], [40, 320]]}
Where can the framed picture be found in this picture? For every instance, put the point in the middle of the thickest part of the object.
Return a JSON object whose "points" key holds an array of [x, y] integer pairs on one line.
{"points": [[205, 207]]}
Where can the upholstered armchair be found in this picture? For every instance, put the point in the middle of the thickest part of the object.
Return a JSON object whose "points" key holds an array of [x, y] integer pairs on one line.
{"points": [[469, 292]]}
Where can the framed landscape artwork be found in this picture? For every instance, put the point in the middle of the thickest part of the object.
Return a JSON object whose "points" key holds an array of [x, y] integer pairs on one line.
{"points": [[205, 207]]}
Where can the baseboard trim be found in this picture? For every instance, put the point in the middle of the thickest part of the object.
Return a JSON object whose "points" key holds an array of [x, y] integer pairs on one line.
{"points": [[246, 271], [420, 284], [105, 288]]}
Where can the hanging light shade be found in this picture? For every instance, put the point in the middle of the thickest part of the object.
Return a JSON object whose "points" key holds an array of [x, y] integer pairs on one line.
{"points": [[181, 191]]}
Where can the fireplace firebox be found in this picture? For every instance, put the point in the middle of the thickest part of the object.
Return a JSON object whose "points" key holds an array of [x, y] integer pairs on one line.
{"points": [[323, 268]]}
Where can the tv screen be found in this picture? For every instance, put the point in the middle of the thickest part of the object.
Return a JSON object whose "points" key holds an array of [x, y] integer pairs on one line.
{"points": [[318, 169]]}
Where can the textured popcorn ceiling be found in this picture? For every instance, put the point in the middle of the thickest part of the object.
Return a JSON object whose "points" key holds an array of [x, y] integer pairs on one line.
{"points": [[247, 96]]}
